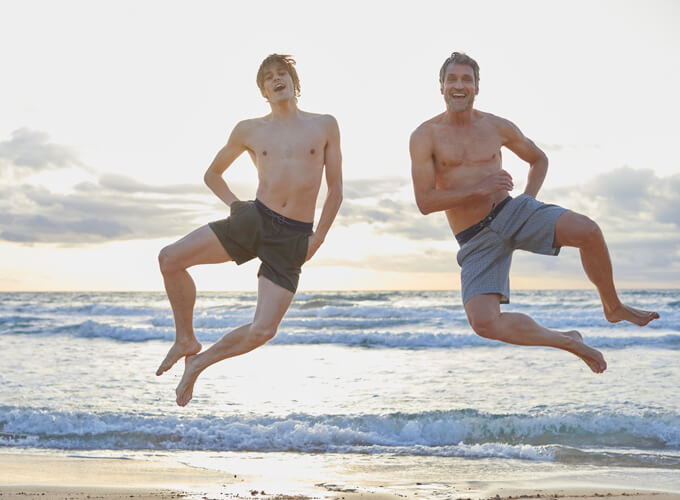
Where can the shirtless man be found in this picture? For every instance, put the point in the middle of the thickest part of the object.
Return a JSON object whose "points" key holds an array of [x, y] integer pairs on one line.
{"points": [[456, 168], [290, 149]]}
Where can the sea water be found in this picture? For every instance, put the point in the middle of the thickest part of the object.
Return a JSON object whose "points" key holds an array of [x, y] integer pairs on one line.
{"points": [[386, 384]]}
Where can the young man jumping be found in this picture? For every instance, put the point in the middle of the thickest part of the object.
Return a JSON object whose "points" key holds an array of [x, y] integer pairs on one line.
{"points": [[291, 150]]}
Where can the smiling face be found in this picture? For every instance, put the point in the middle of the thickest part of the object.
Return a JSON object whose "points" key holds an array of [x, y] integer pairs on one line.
{"points": [[277, 83], [459, 87]]}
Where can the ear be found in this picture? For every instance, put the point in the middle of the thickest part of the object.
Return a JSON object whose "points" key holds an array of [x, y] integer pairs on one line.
{"points": [[441, 88]]}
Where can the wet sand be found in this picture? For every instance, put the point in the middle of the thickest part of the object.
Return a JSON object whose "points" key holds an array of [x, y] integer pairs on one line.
{"points": [[32, 476]]}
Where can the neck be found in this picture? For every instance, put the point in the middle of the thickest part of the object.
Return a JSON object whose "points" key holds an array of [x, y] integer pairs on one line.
{"points": [[284, 109], [459, 117]]}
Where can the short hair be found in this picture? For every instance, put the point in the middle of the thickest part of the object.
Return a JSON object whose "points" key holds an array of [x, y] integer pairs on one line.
{"points": [[460, 58], [289, 64]]}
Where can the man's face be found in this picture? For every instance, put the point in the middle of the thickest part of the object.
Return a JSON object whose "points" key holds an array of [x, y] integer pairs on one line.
{"points": [[459, 87], [278, 84]]}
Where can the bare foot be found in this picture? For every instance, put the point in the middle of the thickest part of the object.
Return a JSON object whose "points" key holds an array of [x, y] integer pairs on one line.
{"points": [[185, 388], [176, 352], [626, 313], [592, 357]]}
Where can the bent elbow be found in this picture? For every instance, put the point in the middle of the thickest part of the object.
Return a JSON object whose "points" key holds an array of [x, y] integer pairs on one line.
{"points": [[423, 207], [207, 177]]}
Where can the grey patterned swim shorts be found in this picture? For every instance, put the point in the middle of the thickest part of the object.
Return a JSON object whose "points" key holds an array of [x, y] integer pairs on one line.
{"points": [[523, 223]]}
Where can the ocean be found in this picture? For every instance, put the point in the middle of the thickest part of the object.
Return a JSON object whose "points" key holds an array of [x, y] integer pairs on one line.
{"points": [[388, 385]]}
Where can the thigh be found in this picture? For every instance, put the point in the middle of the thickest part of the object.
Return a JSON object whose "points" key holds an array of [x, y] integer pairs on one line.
{"points": [[537, 233], [198, 247], [572, 228], [272, 303], [483, 307]]}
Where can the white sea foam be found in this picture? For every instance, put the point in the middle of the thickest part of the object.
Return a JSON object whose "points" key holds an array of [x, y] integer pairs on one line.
{"points": [[446, 433]]}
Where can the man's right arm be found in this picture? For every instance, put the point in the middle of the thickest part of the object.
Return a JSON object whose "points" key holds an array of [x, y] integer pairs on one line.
{"points": [[430, 199], [224, 158]]}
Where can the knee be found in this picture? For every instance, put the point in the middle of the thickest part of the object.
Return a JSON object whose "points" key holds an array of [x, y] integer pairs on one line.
{"points": [[166, 261], [262, 334], [485, 326], [590, 232]]}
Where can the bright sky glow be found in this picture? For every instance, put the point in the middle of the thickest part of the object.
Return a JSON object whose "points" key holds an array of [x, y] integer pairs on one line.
{"points": [[111, 112]]}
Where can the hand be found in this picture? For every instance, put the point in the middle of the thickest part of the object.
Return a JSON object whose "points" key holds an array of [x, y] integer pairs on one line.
{"points": [[314, 244], [498, 181]]}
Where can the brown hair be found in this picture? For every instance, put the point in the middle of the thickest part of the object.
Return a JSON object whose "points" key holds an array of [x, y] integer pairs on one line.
{"points": [[460, 58], [289, 64]]}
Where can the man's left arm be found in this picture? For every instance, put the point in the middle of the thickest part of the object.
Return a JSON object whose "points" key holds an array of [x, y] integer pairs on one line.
{"points": [[333, 170], [525, 148]]}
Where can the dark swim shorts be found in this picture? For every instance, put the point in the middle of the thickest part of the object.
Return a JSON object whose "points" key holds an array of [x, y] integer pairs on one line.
{"points": [[253, 230]]}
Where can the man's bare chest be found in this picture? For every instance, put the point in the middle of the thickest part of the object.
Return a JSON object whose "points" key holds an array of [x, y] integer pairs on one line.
{"points": [[480, 147], [281, 144]]}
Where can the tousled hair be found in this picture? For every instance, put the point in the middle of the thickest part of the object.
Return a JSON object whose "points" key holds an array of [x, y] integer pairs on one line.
{"points": [[460, 58], [288, 62]]}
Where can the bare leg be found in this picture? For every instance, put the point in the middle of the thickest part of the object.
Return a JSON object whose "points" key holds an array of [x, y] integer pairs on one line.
{"points": [[199, 247], [484, 314], [579, 231], [272, 303]]}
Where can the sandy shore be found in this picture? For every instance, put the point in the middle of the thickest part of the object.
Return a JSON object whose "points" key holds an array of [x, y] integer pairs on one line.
{"points": [[28, 476]]}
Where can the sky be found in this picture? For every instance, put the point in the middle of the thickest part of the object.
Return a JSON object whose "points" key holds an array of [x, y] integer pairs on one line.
{"points": [[112, 111]]}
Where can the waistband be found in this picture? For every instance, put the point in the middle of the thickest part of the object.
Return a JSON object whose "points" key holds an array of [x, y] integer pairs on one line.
{"points": [[467, 234], [296, 225]]}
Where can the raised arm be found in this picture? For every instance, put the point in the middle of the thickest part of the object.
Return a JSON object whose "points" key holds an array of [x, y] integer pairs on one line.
{"points": [[333, 171], [431, 199], [525, 148], [224, 158]]}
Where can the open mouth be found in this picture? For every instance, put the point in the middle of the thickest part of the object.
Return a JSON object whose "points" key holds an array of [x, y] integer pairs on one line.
{"points": [[457, 95], [279, 86]]}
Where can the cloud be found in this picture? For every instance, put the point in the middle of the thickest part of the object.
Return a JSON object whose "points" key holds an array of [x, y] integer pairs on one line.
{"points": [[638, 211], [29, 151], [354, 189], [626, 200], [95, 213], [126, 184]]}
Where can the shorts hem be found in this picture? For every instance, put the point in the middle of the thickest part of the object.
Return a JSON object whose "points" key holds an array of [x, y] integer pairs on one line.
{"points": [[505, 298], [276, 280]]}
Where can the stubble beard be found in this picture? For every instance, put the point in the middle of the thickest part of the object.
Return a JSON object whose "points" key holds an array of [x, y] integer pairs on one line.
{"points": [[457, 106]]}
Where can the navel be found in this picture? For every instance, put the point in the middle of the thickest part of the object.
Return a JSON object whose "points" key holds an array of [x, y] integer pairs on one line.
{"points": [[312, 151], [264, 153]]}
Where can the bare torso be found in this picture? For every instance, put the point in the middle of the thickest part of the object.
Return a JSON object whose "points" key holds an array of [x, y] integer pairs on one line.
{"points": [[289, 156], [462, 157]]}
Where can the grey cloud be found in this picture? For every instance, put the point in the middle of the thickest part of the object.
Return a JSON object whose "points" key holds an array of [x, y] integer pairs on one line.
{"points": [[30, 151], [625, 200], [30, 214], [354, 189], [126, 184], [395, 217]]}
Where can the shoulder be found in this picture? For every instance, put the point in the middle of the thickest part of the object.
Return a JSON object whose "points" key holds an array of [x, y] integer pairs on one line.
{"points": [[505, 127], [248, 125], [423, 133], [325, 121]]}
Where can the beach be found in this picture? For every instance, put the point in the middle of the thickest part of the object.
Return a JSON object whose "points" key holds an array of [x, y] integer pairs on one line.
{"points": [[28, 476], [360, 394]]}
